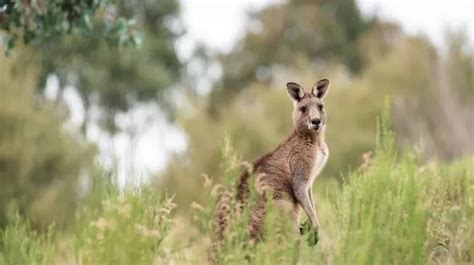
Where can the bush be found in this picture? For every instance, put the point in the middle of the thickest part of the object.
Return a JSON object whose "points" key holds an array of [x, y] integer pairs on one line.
{"points": [[41, 162], [397, 210], [394, 209], [128, 229], [19, 244]]}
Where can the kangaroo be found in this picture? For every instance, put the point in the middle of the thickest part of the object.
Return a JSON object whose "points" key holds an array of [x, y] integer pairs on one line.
{"points": [[290, 170]]}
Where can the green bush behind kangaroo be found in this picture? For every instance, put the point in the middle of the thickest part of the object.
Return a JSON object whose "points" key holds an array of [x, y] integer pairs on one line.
{"points": [[395, 209]]}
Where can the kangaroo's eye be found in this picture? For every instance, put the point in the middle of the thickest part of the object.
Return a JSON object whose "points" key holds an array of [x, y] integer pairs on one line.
{"points": [[320, 107], [303, 109]]}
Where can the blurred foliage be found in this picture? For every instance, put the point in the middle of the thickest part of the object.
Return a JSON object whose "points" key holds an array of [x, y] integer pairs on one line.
{"points": [[40, 161], [260, 118], [413, 213], [420, 210], [432, 105], [405, 67], [410, 211], [44, 20], [20, 244], [115, 80], [460, 65], [321, 32], [47, 169], [126, 228]]}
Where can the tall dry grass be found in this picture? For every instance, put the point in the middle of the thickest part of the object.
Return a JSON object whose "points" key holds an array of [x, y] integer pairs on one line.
{"points": [[395, 209]]}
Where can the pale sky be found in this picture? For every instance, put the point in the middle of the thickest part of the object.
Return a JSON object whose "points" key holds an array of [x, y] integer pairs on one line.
{"points": [[219, 24], [426, 17]]}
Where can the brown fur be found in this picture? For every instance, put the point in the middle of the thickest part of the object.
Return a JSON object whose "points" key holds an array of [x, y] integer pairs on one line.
{"points": [[223, 214], [289, 171]]}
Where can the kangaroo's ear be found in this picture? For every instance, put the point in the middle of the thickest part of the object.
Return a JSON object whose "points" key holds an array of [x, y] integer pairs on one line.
{"points": [[295, 91], [320, 89]]}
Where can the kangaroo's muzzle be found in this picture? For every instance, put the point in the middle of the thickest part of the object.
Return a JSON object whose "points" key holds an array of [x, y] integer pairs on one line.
{"points": [[315, 124]]}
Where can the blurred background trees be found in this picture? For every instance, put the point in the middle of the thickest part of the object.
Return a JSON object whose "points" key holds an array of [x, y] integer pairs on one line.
{"points": [[115, 80], [45, 171], [315, 33], [47, 165], [366, 59], [40, 21], [41, 162]]}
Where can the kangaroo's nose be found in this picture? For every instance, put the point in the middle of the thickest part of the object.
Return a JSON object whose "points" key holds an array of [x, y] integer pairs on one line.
{"points": [[316, 122]]}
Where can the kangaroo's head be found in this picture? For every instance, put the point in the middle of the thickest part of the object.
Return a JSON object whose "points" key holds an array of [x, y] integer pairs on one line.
{"points": [[309, 113]]}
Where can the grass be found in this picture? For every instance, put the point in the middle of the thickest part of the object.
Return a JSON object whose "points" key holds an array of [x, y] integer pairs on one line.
{"points": [[395, 209], [21, 245]]}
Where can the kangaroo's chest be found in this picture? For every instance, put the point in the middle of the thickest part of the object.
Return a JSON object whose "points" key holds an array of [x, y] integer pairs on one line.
{"points": [[320, 158]]}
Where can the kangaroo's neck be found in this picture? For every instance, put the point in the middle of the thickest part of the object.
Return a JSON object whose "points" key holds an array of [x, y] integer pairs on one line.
{"points": [[308, 138], [299, 141]]}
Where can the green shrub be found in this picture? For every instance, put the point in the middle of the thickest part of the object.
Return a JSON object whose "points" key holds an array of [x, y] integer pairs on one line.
{"points": [[19, 244], [398, 210], [395, 209], [129, 229]]}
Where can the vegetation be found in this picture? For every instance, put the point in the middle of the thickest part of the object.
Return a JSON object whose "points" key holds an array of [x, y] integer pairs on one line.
{"points": [[41, 162], [39, 21], [115, 80], [110, 79], [322, 32], [405, 198], [393, 210], [47, 164], [259, 117]]}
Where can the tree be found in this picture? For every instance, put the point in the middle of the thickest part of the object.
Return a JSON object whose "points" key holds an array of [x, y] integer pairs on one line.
{"points": [[40, 161], [39, 21], [316, 33], [111, 79], [426, 110], [115, 80]]}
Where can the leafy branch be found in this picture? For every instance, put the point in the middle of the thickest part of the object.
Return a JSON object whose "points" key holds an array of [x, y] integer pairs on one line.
{"points": [[37, 21]]}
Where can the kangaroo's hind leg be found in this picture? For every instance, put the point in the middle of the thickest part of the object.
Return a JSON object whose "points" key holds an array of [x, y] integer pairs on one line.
{"points": [[313, 205], [257, 218]]}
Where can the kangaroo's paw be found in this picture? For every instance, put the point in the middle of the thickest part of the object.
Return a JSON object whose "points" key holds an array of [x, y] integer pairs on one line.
{"points": [[311, 233], [313, 238]]}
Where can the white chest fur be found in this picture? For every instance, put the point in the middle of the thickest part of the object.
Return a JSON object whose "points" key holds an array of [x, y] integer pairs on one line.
{"points": [[321, 157]]}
